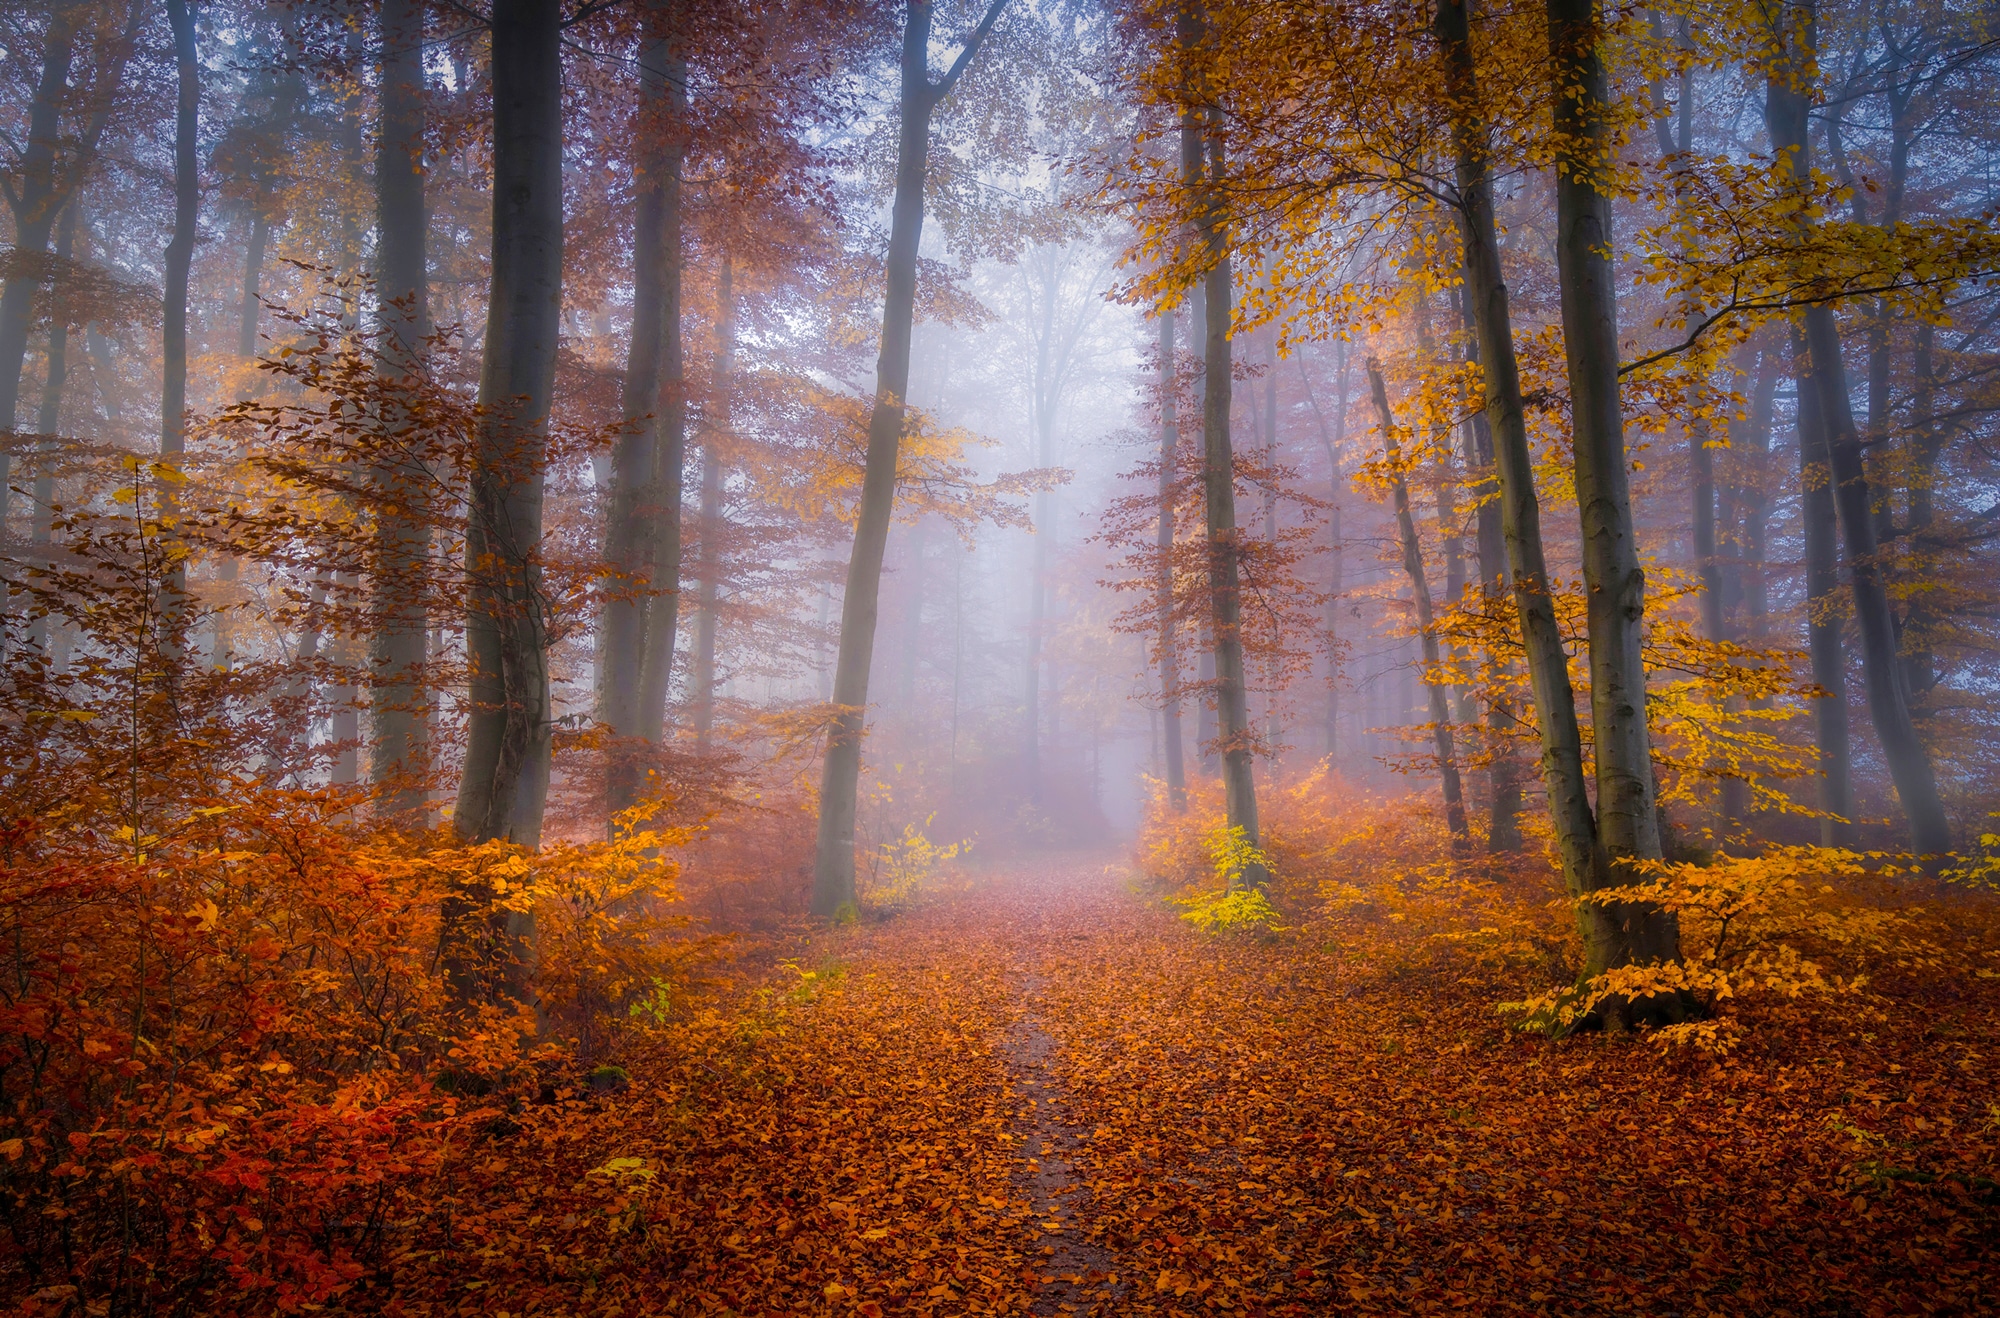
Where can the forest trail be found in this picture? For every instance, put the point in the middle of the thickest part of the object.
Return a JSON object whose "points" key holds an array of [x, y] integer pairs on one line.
{"points": [[1047, 1095]]}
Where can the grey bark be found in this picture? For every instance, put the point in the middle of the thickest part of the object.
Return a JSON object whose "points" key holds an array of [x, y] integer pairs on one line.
{"points": [[1236, 742], [709, 525], [1503, 823], [663, 608], [35, 208], [1786, 108], [629, 532], [1881, 665], [507, 735], [173, 332], [1169, 646], [399, 736], [1608, 936], [833, 856], [1823, 612], [1420, 598]]}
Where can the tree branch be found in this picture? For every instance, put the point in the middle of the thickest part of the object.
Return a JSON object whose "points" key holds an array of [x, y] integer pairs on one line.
{"points": [[942, 87]]}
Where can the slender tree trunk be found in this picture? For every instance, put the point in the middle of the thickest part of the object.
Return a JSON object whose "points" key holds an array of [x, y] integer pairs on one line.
{"points": [[1169, 649], [1420, 596], [173, 333], [1237, 741], [507, 735], [48, 422], [1823, 612], [1336, 584], [36, 205], [628, 532], [399, 737], [1503, 824], [663, 609], [1919, 663], [913, 619], [1786, 107], [1038, 607], [1205, 739], [1881, 665], [709, 526], [1615, 586], [833, 857], [1861, 521]]}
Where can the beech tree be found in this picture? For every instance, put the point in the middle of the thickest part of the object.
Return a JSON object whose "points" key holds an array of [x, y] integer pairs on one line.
{"points": [[918, 100]]}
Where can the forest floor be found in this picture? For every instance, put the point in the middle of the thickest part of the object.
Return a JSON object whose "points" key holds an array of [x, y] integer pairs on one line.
{"points": [[1047, 1095]]}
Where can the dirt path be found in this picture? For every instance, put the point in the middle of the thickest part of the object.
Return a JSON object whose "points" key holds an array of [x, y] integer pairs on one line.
{"points": [[1069, 1271]]}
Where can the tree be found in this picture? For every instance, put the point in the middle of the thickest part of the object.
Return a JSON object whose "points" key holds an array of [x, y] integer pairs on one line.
{"points": [[505, 775], [1426, 618], [1786, 102], [399, 737], [1614, 584], [643, 517], [1612, 937], [1168, 641], [1203, 168], [173, 331], [833, 854]]}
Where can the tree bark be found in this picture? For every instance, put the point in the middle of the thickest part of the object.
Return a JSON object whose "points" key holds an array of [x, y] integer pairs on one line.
{"points": [[1237, 743], [1169, 648], [39, 201], [48, 422], [399, 740], [1503, 823], [833, 856], [507, 735], [1881, 663], [1608, 934], [1786, 109], [1823, 613], [1919, 662], [1420, 597], [1614, 584], [663, 607], [1520, 511], [173, 332], [709, 525], [629, 518]]}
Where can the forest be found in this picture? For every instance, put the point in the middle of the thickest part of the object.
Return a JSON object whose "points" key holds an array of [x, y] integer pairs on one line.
{"points": [[1017, 657]]}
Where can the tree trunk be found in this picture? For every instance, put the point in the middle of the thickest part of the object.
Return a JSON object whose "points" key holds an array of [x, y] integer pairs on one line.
{"points": [[709, 526], [507, 734], [1919, 663], [1420, 596], [663, 608], [399, 736], [1823, 612], [1237, 743], [38, 201], [1503, 824], [1336, 584], [1615, 586], [630, 515], [833, 856], [173, 332], [1169, 649], [1038, 604], [1881, 664], [48, 422]]}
